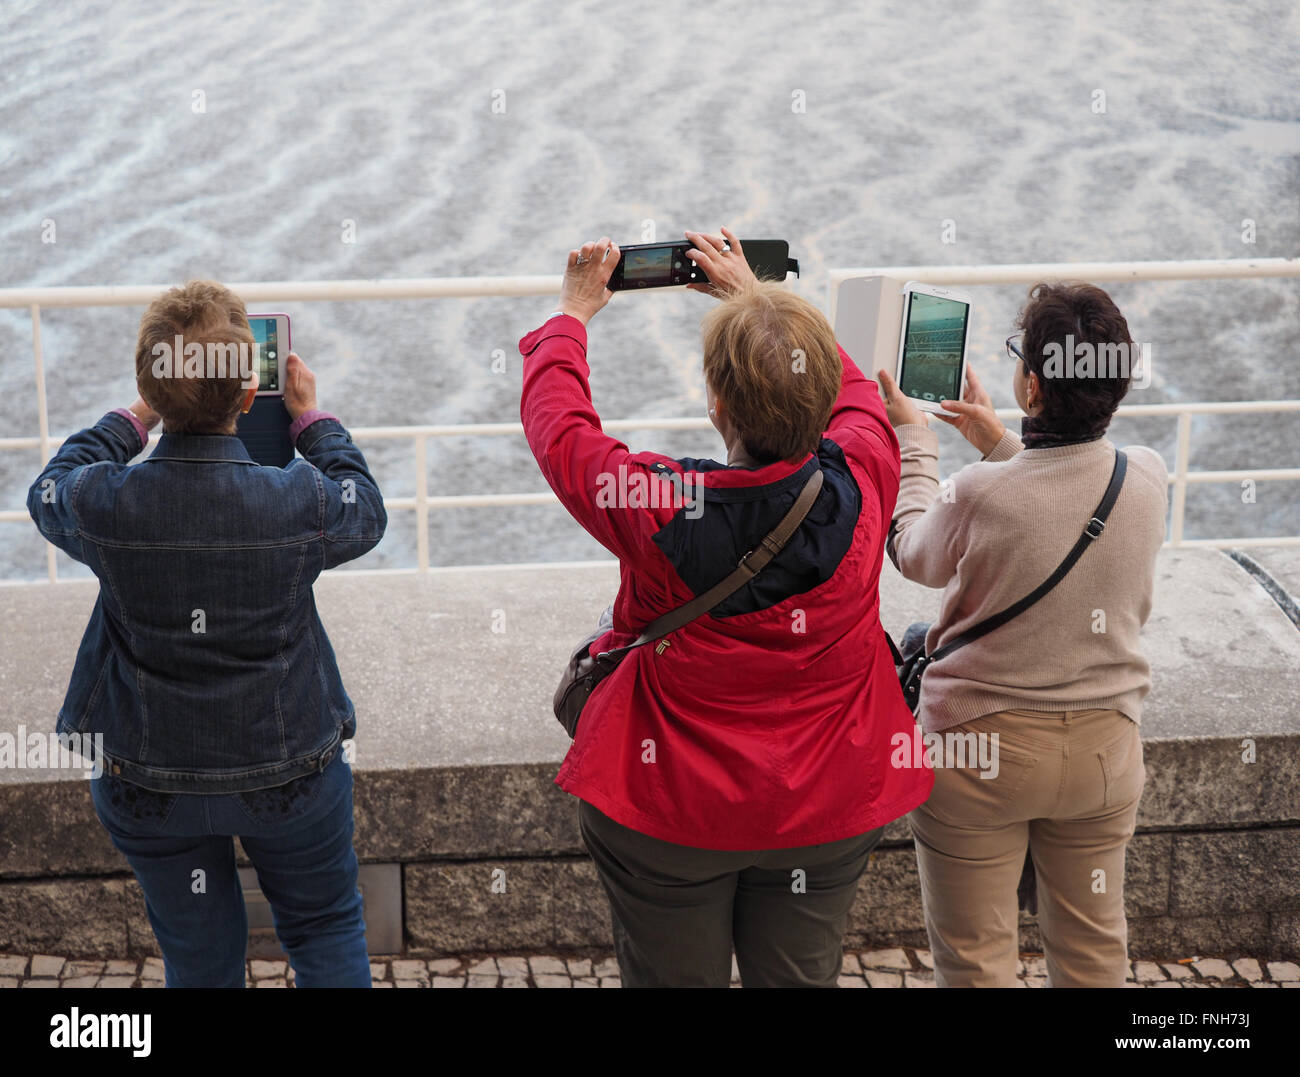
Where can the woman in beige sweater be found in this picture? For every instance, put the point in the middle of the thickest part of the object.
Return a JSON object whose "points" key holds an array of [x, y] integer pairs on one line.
{"points": [[1054, 696]]}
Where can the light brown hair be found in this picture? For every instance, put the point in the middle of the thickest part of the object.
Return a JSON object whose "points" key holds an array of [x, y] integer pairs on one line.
{"points": [[202, 312], [771, 356]]}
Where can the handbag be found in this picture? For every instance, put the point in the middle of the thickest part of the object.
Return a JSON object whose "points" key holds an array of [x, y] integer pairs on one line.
{"points": [[585, 671], [911, 661]]}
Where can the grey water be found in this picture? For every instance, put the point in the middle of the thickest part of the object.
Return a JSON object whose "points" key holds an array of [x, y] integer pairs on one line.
{"points": [[155, 143]]}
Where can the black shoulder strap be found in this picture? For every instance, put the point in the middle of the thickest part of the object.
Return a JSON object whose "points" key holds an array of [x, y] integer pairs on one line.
{"points": [[1094, 527], [748, 567]]}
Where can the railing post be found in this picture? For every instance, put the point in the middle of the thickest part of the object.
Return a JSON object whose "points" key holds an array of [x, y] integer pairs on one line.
{"points": [[43, 424], [422, 502], [1180, 477]]}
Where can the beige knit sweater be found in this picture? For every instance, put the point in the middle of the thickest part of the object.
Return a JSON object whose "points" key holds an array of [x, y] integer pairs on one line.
{"points": [[994, 532]]}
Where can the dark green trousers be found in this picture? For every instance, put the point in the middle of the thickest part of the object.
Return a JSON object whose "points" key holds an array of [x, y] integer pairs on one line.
{"points": [[678, 911]]}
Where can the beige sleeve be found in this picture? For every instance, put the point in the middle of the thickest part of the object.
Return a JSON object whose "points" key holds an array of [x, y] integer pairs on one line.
{"points": [[1006, 448], [921, 539]]}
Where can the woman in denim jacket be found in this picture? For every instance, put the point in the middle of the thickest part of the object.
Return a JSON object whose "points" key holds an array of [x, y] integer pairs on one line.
{"points": [[205, 666]]}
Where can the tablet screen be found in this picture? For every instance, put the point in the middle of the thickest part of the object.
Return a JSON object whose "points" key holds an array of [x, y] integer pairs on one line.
{"points": [[935, 337]]}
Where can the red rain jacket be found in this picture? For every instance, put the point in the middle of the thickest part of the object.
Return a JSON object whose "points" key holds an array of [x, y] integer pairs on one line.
{"points": [[770, 723]]}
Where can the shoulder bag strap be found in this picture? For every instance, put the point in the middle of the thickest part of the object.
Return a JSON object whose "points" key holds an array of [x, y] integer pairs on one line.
{"points": [[749, 566], [1094, 527]]}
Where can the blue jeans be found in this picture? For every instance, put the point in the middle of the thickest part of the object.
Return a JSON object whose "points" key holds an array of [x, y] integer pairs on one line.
{"points": [[299, 839]]}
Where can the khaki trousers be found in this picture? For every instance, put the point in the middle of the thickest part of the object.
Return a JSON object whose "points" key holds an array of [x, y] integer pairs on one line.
{"points": [[1067, 787]]}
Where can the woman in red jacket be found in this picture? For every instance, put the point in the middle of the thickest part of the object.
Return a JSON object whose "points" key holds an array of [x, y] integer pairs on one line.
{"points": [[735, 776]]}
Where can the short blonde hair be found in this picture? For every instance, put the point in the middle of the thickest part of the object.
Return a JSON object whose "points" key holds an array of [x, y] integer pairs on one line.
{"points": [[202, 312], [772, 358]]}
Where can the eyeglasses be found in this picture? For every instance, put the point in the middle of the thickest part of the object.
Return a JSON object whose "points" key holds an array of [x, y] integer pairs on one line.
{"points": [[1013, 351]]}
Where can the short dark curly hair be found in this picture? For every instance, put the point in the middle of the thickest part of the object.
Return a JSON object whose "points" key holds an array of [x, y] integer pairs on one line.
{"points": [[1074, 405]]}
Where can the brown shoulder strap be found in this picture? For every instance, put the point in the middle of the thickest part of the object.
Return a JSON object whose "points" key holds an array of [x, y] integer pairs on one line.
{"points": [[749, 566]]}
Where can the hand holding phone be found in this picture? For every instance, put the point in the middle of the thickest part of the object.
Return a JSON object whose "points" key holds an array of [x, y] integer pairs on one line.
{"points": [[586, 278], [299, 387]]}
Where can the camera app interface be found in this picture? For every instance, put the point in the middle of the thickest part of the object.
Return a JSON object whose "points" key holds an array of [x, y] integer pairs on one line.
{"points": [[267, 361], [936, 330], [653, 266]]}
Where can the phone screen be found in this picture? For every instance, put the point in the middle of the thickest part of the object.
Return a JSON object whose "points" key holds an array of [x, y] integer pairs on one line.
{"points": [[267, 361], [935, 337], [652, 265]]}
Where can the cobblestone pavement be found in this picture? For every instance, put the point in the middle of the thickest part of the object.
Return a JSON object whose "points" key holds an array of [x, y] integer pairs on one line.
{"points": [[870, 968]]}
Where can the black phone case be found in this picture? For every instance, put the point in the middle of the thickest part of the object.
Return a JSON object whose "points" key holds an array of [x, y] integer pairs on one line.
{"points": [[768, 258], [265, 432]]}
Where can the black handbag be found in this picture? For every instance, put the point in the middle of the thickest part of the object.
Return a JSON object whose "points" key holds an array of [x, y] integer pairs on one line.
{"points": [[911, 660], [585, 671]]}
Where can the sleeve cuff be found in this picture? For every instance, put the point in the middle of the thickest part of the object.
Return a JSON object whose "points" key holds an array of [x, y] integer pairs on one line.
{"points": [[305, 420], [140, 428], [1007, 447]]}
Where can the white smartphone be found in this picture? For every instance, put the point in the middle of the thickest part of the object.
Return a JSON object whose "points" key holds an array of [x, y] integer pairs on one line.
{"points": [[271, 332], [932, 344]]}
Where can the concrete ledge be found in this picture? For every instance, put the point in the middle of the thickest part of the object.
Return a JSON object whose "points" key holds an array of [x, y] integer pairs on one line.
{"points": [[456, 752]]}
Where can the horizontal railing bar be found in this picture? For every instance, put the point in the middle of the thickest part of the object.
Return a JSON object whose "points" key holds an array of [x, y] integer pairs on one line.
{"points": [[1029, 272], [481, 287]]}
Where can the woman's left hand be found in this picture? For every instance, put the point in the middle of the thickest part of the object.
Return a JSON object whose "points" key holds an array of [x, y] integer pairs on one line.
{"points": [[585, 276], [899, 408]]}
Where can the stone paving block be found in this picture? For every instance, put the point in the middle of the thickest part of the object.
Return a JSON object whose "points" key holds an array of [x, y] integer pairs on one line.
{"points": [[883, 979], [1167, 983], [378, 970], [1283, 970], [1035, 966], [1214, 969], [43, 965], [514, 981], [41, 983], [381, 983], [918, 979], [153, 969], [84, 968], [607, 969], [444, 966], [483, 981], [80, 981], [274, 981], [885, 959], [486, 967], [579, 966], [925, 958], [611, 981], [447, 981], [416, 983], [121, 968], [586, 981], [545, 979], [551, 966], [1035, 981], [1248, 969], [8, 981], [1290, 983], [513, 966], [1147, 972], [265, 970], [410, 969], [851, 981], [1177, 971], [117, 981], [13, 966], [1262, 983]]}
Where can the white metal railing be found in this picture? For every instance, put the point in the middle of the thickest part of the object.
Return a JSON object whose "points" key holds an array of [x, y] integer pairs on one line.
{"points": [[477, 287]]}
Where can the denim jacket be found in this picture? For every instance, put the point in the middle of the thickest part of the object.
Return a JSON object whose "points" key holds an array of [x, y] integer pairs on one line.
{"points": [[205, 665]]}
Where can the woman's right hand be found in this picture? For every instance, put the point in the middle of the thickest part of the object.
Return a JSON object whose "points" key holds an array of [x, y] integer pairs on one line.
{"points": [[728, 270], [975, 419], [585, 275]]}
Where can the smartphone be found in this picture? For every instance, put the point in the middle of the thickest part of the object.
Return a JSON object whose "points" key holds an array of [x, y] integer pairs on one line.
{"points": [[932, 344], [271, 334], [664, 265], [265, 429]]}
